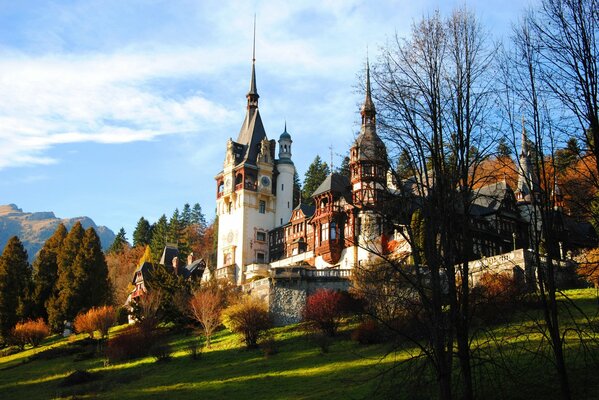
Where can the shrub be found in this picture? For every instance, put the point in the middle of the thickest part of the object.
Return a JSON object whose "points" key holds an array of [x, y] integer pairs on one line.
{"points": [[368, 332], [161, 351], [323, 311], [249, 318], [122, 315], [78, 377], [30, 332], [96, 319], [496, 296], [268, 344], [131, 343]]}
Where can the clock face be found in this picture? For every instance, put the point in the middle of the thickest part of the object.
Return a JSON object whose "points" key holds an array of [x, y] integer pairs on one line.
{"points": [[230, 237], [265, 181]]}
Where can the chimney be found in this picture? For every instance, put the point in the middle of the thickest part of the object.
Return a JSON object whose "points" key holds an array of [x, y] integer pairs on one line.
{"points": [[176, 264], [190, 258]]}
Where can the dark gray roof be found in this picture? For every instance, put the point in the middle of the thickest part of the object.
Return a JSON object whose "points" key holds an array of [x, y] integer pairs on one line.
{"points": [[335, 183], [490, 197], [195, 268], [370, 146], [145, 269], [306, 209], [169, 252], [250, 136]]}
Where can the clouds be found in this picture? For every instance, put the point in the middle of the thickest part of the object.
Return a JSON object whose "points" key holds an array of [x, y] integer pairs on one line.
{"points": [[104, 98]]}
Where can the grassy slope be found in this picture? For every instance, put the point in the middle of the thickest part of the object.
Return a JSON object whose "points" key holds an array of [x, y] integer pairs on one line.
{"points": [[298, 371]]}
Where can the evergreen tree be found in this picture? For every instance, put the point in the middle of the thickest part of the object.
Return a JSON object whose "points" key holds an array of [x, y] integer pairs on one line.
{"points": [[90, 272], [297, 189], [120, 242], [344, 167], [159, 238], [315, 175], [404, 165], [45, 272], [15, 283], [142, 236], [198, 217], [503, 149], [174, 227], [62, 304], [564, 158], [186, 216]]}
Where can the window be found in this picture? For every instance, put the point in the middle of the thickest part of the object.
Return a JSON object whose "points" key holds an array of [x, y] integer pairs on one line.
{"points": [[261, 236], [262, 207], [260, 257], [333, 231], [324, 232], [282, 187]]}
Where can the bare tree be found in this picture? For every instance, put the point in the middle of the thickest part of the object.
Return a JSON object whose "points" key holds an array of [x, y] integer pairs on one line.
{"points": [[568, 54], [434, 92], [205, 307], [523, 72]]}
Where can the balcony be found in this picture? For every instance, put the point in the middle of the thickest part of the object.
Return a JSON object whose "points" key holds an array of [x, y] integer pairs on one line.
{"points": [[256, 270]]}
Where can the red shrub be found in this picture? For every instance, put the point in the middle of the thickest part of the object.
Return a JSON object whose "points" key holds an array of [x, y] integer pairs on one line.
{"points": [[30, 332], [323, 311], [367, 332], [131, 343], [96, 319]]}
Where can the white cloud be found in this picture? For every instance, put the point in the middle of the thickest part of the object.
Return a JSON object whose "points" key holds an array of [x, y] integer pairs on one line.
{"points": [[57, 99]]}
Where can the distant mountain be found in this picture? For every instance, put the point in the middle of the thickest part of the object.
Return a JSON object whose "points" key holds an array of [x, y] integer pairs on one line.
{"points": [[35, 228]]}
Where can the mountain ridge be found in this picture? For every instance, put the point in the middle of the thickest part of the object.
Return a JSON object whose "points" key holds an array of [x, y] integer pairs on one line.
{"points": [[34, 228]]}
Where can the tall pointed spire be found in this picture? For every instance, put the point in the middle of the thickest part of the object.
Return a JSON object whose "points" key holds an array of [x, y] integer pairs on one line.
{"points": [[368, 111], [252, 95]]}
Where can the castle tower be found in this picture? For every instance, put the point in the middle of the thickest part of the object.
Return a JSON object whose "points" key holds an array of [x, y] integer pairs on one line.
{"points": [[368, 172], [286, 172], [245, 198]]}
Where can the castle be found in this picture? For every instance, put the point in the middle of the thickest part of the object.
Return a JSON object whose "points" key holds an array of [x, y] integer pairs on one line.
{"points": [[262, 237]]}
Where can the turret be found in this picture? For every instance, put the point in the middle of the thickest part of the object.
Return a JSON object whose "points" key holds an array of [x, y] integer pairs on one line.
{"points": [[368, 157], [286, 172]]}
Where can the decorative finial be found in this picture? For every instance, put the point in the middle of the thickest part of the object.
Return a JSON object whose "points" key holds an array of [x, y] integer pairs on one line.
{"points": [[254, 44], [252, 95]]}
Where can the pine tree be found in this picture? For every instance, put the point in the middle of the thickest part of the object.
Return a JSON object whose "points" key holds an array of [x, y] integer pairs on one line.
{"points": [[45, 272], [503, 149], [120, 242], [198, 217], [344, 167], [174, 227], [142, 236], [297, 189], [405, 169], [186, 215], [62, 305], [315, 175], [91, 275], [159, 237], [15, 283]]}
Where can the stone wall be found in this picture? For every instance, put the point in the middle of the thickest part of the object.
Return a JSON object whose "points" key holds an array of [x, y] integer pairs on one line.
{"points": [[286, 297]]}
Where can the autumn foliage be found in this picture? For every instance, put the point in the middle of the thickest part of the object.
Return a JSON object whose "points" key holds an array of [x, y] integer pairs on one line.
{"points": [[588, 268], [206, 308], [96, 319], [30, 332], [323, 311], [249, 318]]}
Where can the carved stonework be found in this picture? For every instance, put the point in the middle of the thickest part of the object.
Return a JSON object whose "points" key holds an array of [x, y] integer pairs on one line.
{"points": [[229, 155], [264, 155]]}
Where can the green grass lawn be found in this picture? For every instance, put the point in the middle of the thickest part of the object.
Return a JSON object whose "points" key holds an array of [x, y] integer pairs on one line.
{"points": [[515, 364]]}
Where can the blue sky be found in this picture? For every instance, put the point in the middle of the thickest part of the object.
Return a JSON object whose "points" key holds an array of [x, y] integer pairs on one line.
{"points": [[117, 109]]}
